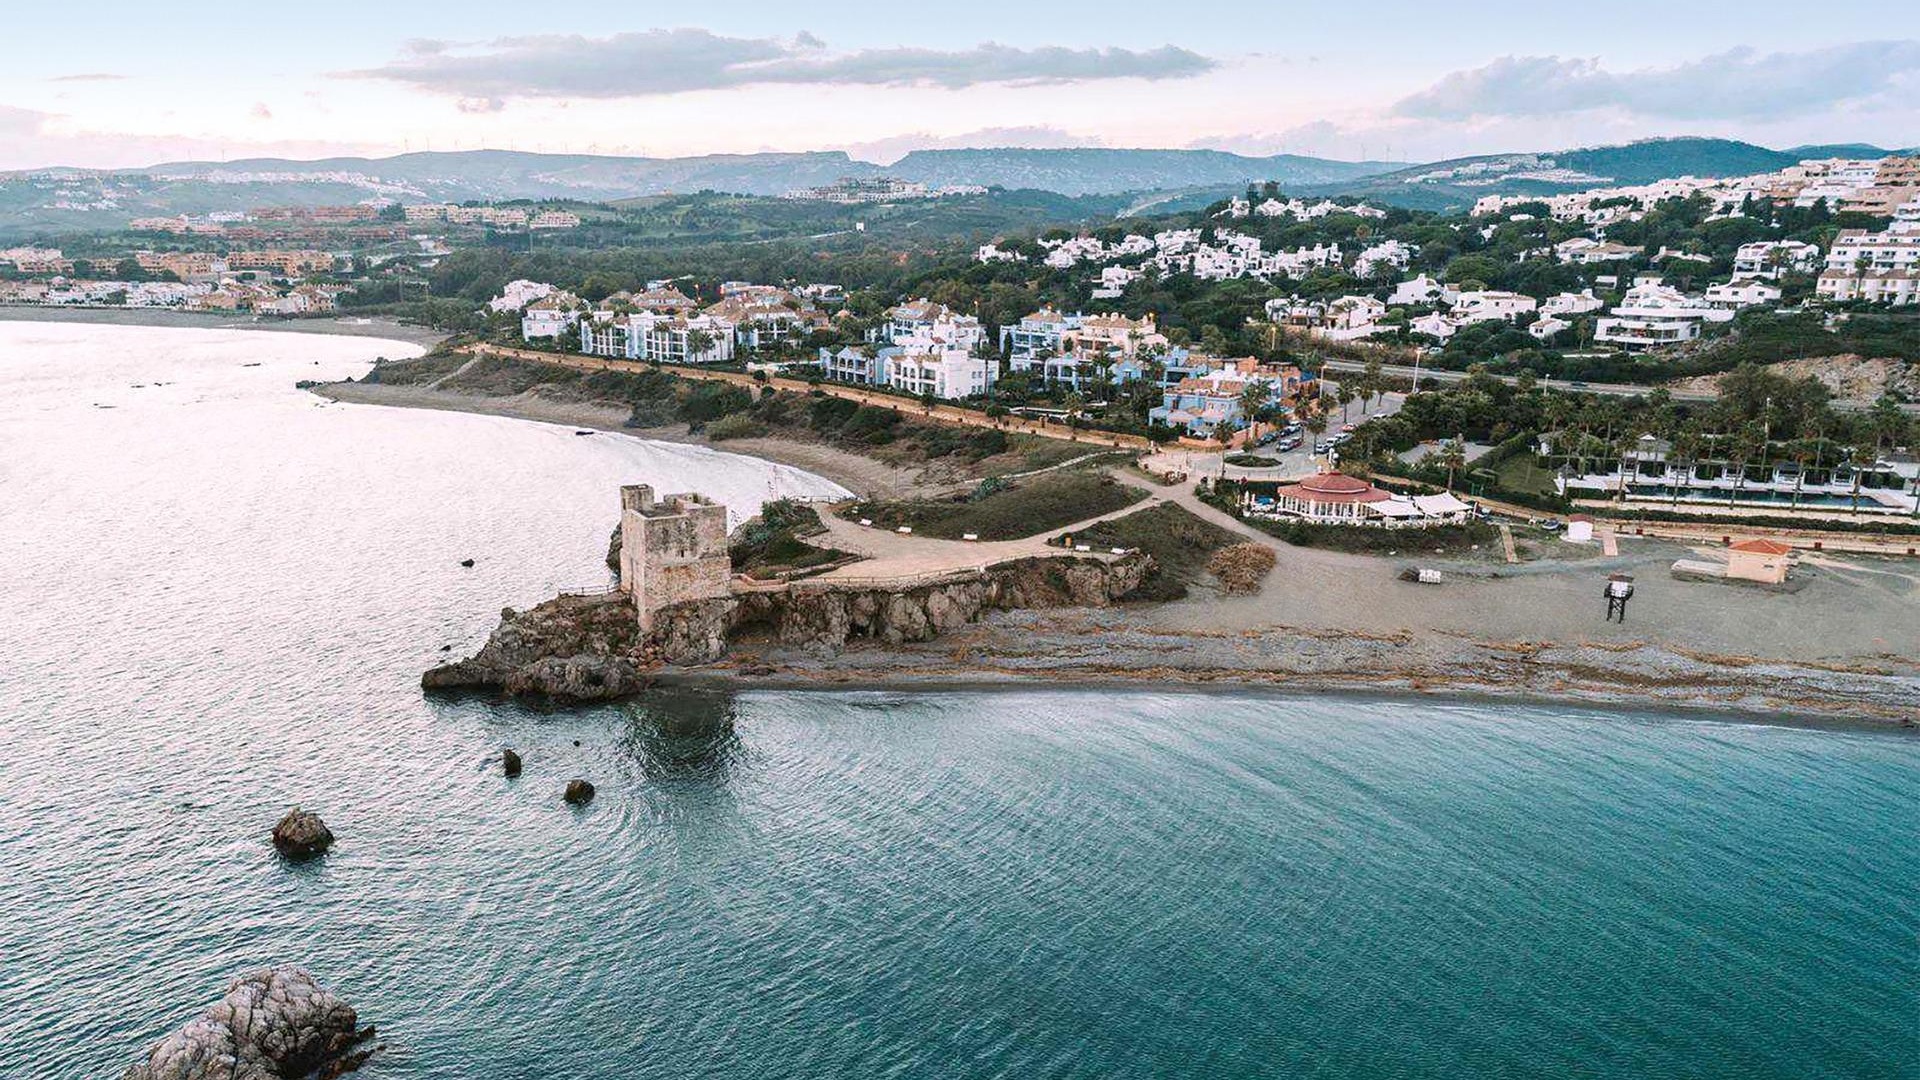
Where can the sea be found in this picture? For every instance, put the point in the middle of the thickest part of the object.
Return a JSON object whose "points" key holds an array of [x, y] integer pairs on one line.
{"points": [[219, 593]]}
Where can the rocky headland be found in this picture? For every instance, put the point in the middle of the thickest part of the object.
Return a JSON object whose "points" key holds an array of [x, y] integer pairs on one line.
{"points": [[585, 648]]}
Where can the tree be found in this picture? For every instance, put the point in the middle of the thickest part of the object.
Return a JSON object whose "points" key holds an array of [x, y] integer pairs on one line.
{"points": [[1452, 457], [1255, 397], [1345, 396]]}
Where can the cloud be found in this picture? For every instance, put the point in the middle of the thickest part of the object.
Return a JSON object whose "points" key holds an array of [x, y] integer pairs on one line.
{"points": [[1740, 84], [89, 76], [31, 139], [479, 105], [892, 148], [261, 112], [655, 62]]}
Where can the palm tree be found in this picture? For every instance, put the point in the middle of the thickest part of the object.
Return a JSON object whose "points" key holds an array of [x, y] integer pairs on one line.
{"points": [[1345, 397], [1254, 397], [1452, 457]]}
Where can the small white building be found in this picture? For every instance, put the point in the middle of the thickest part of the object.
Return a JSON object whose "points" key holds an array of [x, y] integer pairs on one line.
{"points": [[948, 373]]}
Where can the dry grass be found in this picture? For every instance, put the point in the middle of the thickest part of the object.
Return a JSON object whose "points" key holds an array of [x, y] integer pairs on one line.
{"points": [[1240, 568]]}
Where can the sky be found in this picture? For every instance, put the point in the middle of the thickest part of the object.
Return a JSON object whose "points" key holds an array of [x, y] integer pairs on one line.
{"points": [[126, 85]]}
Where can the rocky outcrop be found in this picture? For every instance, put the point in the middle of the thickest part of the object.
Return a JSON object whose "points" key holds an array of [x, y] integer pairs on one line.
{"points": [[274, 1024], [826, 619], [586, 648], [510, 763], [578, 793], [301, 834], [581, 648]]}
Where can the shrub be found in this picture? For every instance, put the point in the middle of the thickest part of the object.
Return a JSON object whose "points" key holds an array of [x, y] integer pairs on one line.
{"points": [[1240, 568], [735, 426]]}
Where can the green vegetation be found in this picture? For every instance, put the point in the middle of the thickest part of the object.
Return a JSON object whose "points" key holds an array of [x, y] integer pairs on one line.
{"points": [[1006, 511], [1180, 543], [1455, 540], [772, 543]]}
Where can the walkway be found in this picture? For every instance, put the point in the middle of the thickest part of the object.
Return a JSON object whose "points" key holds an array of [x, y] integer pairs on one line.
{"points": [[948, 414], [895, 556]]}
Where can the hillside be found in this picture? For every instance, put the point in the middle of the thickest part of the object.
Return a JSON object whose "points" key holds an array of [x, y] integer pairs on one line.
{"points": [[1456, 183]]}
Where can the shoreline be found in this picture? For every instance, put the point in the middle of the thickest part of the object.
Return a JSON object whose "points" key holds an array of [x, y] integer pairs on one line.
{"points": [[336, 325], [864, 476], [1299, 689], [1388, 638]]}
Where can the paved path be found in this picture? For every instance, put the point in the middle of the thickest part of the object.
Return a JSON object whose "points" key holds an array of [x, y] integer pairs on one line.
{"points": [[949, 414], [1506, 543], [895, 556]]}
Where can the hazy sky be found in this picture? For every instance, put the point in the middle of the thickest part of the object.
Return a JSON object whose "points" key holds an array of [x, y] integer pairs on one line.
{"points": [[132, 84]]}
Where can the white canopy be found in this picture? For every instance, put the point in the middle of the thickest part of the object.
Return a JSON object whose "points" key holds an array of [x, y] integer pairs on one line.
{"points": [[1440, 505]]}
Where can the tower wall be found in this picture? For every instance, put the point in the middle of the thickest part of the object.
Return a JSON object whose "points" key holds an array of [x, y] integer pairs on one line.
{"points": [[672, 550]]}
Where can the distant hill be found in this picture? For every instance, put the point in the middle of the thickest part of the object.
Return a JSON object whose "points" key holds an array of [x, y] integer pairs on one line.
{"points": [[1458, 182], [1098, 171], [56, 199]]}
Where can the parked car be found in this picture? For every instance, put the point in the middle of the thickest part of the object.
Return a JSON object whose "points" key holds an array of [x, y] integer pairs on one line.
{"points": [[1322, 447], [1346, 428], [1291, 442]]}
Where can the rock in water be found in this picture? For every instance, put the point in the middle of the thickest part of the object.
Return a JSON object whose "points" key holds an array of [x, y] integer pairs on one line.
{"points": [[468, 563], [510, 762], [274, 1023], [579, 792], [301, 834]]}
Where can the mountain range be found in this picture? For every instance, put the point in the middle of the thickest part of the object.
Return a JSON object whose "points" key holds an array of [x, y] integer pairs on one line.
{"points": [[55, 199]]}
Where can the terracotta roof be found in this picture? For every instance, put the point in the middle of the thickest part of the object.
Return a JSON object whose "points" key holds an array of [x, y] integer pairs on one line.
{"points": [[1763, 547], [1333, 487]]}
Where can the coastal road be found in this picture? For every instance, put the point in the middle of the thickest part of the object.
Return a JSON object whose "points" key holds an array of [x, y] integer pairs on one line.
{"points": [[1431, 374], [944, 413]]}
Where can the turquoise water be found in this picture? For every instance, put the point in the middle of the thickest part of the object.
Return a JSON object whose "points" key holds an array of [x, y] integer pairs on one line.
{"points": [[1009, 883]]}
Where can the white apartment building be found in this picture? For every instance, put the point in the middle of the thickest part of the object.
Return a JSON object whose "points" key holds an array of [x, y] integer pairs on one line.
{"points": [[1419, 290], [1386, 254], [550, 316], [1547, 326], [924, 318], [1768, 258], [1740, 293], [1567, 303], [666, 339], [1113, 281], [1486, 305], [945, 373], [1653, 314], [1896, 287], [517, 295]]}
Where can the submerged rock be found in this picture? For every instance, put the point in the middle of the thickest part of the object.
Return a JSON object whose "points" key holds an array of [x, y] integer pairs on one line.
{"points": [[273, 1024], [301, 834], [510, 762], [579, 792]]}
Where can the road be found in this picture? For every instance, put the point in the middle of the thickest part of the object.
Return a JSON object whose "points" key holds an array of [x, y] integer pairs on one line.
{"points": [[1429, 374], [907, 406]]}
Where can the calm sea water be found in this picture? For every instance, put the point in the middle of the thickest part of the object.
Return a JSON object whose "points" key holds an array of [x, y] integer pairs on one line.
{"points": [[219, 594]]}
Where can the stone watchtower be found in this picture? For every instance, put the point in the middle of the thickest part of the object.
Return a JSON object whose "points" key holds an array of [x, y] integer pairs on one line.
{"points": [[672, 550]]}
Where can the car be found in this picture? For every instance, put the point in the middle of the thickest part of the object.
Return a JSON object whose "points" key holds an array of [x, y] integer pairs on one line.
{"points": [[1577, 385], [1268, 438], [1288, 443], [1290, 429], [1346, 428], [1322, 447], [1342, 438]]}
